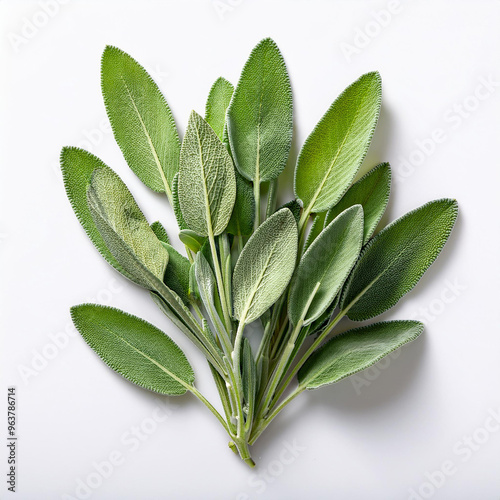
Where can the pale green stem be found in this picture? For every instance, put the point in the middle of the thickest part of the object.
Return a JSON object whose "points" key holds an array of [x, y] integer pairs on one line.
{"points": [[256, 194], [267, 420]]}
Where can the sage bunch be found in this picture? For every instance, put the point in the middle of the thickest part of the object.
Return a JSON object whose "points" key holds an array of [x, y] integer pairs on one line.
{"points": [[248, 259]]}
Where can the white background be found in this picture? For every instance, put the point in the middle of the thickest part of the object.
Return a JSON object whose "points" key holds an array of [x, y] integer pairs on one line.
{"points": [[379, 436]]}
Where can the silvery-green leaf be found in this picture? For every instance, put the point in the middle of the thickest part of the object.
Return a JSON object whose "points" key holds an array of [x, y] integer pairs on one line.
{"points": [[333, 152], [141, 120], [115, 212], [135, 349], [242, 218], [316, 228], [192, 240], [218, 100], [160, 232], [372, 193], [265, 266], [77, 167], [177, 273], [355, 350], [393, 262], [328, 262], [207, 184], [259, 118]]}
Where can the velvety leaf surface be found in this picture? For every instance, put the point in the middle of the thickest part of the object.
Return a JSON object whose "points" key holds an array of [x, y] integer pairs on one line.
{"points": [[355, 350], [265, 266], [141, 120], [372, 193], [328, 262], [217, 103], [259, 118], [393, 262], [134, 348], [335, 149], [207, 184]]}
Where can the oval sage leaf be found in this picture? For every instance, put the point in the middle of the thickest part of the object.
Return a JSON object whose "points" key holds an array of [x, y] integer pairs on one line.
{"points": [[265, 266], [134, 348], [141, 120], [124, 228], [355, 350], [77, 168], [335, 149], [372, 193], [242, 218], [259, 118], [207, 184], [177, 273], [393, 262], [218, 100], [328, 262]]}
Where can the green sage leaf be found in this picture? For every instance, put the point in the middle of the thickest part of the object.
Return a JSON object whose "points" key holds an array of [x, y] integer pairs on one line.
{"points": [[207, 184], [77, 168], [393, 262], [134, 348], [218, 100], [124, 228], [176, 205], [242, 218], [177, 273], [141, 120], [192, 240], [372, 193], [259, 118], [160, 232], [335, 149], [355, 350], [265, 266], [328, 262]]}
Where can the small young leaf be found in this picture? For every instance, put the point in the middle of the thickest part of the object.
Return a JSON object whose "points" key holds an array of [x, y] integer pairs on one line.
{"points": [[177, 273], [333, 152], [123, 226], [393, 262], [259, 118], [328, 262], [207, 184], [141, 120], [218, 100], [77, 168], [160, 232], [242, 218], [137, 350], [192, 240], [372, 193], [355, 350], [265, 266]]}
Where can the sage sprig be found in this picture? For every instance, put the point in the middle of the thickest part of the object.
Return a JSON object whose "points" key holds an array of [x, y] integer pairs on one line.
{"points": [[247, 260]]}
